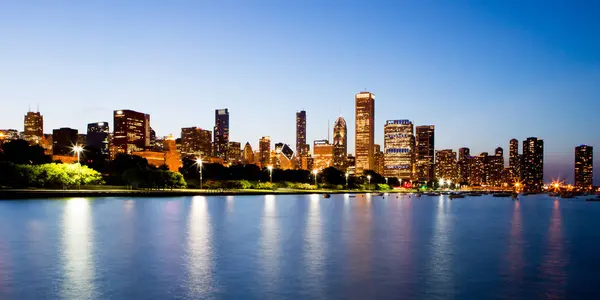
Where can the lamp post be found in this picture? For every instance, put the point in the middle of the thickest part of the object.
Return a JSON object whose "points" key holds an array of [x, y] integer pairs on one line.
{"points": [[199, 164], [369, 178], [441, 183], [78, 149], [270, 173], [315, 172], [347, 179], [386, 180]]}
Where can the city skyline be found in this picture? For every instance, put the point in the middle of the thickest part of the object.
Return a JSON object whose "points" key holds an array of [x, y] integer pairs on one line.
{"points": [[469, 90]]}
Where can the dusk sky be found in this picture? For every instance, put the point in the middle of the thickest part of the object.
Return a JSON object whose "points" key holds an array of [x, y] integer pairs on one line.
{"points": [[482, 73]]}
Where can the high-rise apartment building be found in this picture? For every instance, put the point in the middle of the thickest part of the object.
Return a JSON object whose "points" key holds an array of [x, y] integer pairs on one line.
{"points": [[264, 148], [399, 149], [464, 160], [477, 172], [340, 143], [221, 132], [365, 131], [248, 154], [322, 154], [235, 153], [425, 153], [63, 140], [494, 166], [446, 165], [131, 131], [378, 160], [33, 127], [584, 167], [97, 137], [464, 153], [514, 160], [196, 141], [301, 146], [532, 166]]}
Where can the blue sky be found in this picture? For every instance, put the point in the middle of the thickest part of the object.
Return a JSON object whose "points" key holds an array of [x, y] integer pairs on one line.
{"points": [[482, 72]]}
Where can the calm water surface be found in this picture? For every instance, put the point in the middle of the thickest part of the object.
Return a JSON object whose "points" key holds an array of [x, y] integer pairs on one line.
{"points": [[300, 247]]}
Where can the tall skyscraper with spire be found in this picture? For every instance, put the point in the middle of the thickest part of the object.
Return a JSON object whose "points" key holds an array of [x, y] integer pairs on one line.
{"points": [[301, 147], [340, 143], [221, 132], [365, 131]]}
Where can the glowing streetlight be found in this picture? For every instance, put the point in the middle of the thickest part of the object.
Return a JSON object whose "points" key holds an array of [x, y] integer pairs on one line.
{"points": [[441, 183], [315, 172], [199, 165], [449, 183], [347, 179], [77, 149], [270, 173], [369, 178], [386, 180]]}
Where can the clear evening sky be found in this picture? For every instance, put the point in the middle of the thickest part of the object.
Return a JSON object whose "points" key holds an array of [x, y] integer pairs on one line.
{"points": [[482, 73]]}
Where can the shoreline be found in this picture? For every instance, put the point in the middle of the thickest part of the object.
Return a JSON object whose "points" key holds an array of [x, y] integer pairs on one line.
{"points": [[23, 194]]}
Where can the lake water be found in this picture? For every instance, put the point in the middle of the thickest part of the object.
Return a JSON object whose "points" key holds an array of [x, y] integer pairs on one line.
{"points": [[300, 247]]}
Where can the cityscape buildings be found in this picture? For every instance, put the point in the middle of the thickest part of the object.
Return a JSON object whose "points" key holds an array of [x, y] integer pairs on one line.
{"points": [[301, 146], [33, 127], [63, 140], [584, 167], [533, 164], [446, 167], [365, 131], [8, 135], [340, 143], [97, 137], [131, 131], [221, 132], [399, 149], [264, 149], [378, 160], [234, 154], [248, 154], [425, 153], [322, 154], [514, 159], [196, 141]]}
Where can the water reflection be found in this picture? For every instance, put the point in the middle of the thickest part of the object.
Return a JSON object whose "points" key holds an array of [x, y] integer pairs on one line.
{"points": [[270, 243], [553, 266], [200, 252], [515, 260], [77, 248], [440, 264], [359, 247], [314, 248]]}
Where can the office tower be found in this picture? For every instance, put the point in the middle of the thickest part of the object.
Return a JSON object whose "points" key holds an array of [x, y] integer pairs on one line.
{"points": [[532, 167], [584, 167], [322, 154], [365, 131], [340, 143], [63, 140], [283, 157], [378, 160], [264, 148], [221, 132], [8, 135], [425, 153], [494, 166], [234, 153], [514, 160], [464, 153], [446, 165], [307, 163], [196, 141], [477, 174], [399, 149], [248, 154], [97, 137], [33, 127], [131, 131], [301, 146], [464, 161]]}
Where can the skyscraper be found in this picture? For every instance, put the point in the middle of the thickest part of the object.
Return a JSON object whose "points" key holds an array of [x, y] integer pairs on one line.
{"points": [[446, 165], [378, 160], [33, 127], [584, 167], [365, 131], [533, 164], [221, 133], [323, 154], [97, 137], [514, 160], [494, 166], [425, 153], [464, 153], [464, 159], [196, 141], [248, 154], [234, 153], [477, 174], [131, 131], [399, 149], [340, 143], [301, 146], [264, 148], [63, 140]]}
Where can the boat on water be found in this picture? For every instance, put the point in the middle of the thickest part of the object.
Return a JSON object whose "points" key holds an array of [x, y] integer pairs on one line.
{"points": [[418, 195], [326, 195], [352, 196], [377, 194]]}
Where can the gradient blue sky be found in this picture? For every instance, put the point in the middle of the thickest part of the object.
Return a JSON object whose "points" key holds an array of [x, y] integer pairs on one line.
{"points": [[482, 72]]}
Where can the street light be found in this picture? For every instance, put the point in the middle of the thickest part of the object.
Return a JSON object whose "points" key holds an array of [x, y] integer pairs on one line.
{"points": [[199, 164], [386, 180], [347, 179], [441, 183], [270, 173], [449, 183], [369, 178], [315, 172], [77, 149]]}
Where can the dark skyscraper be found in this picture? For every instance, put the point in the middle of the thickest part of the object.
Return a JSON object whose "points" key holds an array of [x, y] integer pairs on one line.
{"points": [[97, 137], [33, 127], [425, 152], [533, 164], [514, 159], [584, 167], [196, 141], [365, 132], [131, 131], [63, 140], [221, 133], [464, 153], [301, 147], [340, 143]]}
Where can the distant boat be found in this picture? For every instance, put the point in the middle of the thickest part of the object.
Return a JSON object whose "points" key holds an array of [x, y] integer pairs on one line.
{"points": [[474, 194], [418, 195], [326, 196], [352, 196], [377, 194]]}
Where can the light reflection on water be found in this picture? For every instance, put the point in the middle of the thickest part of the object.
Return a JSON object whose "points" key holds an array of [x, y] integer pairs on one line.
{"points": [[200, 265]]}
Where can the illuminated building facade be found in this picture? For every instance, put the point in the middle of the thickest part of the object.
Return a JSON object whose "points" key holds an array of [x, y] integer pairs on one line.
{"points": [[235, 153], [446, 165], [264, 149], [301, 146], [494, 167], [365, 131], [514, 159], [33, 127], [584, 167], [425, 153], [477, 169], [322, 154], [248, 154], [399, 149], [283, 158], [97, 137], [378, 160], [221, 132], [63, 140], [351, 164], [533, 164], [464, 153], [196, 141], [8, 135], [131, 131], [340, 143]]}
